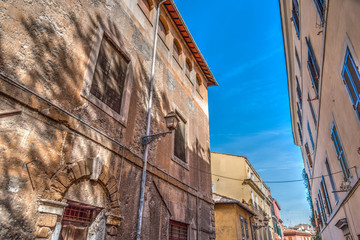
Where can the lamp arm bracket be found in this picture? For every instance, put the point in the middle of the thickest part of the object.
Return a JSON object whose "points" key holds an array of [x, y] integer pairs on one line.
{"points": [[145, 140]]}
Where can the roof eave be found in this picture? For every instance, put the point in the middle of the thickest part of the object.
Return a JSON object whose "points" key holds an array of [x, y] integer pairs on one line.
{"points": [[194, 50]]}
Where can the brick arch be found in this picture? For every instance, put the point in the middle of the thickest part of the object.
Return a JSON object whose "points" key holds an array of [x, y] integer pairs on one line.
{"points": [[86, 169]]}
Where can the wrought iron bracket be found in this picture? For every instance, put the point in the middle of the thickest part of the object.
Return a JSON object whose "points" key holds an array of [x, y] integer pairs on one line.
{"points": [[148, 139]]}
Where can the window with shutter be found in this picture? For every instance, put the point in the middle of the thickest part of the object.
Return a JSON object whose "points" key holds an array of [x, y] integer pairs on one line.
{"points": [[326, 195], [351, 79], [179, 141], [295, 17], [313, 67], [340, 153]]}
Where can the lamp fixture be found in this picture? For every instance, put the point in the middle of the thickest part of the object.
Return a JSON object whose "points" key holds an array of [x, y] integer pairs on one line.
{"points": [[171, 123]]}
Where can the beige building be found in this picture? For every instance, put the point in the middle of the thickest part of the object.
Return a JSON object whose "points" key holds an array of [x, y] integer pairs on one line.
{"points": [[234, 177], [74, 92], [322, 50]]}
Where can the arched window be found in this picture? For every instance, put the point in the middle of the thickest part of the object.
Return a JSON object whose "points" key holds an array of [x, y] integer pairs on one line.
{"points": [[177, 51], [198, 84], [146, 6], [188, 68], [162, 30]]}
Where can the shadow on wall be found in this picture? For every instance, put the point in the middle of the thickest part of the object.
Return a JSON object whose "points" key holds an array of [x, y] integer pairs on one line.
{"points": [[49, 56]]}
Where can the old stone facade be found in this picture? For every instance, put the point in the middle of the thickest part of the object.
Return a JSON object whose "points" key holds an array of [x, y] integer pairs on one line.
{"points": [[322, 49], [74, 87]]}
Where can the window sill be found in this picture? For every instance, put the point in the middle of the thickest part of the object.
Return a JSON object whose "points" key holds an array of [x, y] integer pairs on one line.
{"points": [[180, 162], [164, 42], [177, 61], [102, 106], [147, 15]]}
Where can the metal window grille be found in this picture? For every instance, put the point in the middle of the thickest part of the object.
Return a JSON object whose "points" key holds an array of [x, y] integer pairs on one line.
{"points": [[178, 231], [79, 214]]}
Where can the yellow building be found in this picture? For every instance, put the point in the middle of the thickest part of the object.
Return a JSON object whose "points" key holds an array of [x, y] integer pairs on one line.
{"points": [[233, 220], [234, 177]]}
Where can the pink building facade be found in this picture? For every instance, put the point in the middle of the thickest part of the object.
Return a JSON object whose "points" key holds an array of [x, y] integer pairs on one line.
{"points": [[277, 222]]}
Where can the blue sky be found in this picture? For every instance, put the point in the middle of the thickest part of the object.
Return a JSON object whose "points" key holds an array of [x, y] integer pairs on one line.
{"points": [[249, 110]]}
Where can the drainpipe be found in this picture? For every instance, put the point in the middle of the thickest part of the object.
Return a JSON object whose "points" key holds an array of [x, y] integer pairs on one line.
{"points": [[143, 178]]}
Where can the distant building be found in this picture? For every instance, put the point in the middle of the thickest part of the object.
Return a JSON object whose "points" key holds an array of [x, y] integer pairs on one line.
{"points": [[233, 219], [322, 51], [291, 234], [74, 96], [234, 177], [277, 222]]}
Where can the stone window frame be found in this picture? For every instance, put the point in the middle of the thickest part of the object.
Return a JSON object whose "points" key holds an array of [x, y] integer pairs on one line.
{"points": [[184, 164], [121, 117]]}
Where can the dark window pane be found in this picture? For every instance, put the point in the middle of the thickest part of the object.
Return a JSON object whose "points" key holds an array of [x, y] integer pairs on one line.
{"points": [[179, 143], [353, 73], [109, 75], [350, 87]]}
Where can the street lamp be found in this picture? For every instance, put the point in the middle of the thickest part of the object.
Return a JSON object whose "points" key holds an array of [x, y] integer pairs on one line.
{"points": [[171, 123]]}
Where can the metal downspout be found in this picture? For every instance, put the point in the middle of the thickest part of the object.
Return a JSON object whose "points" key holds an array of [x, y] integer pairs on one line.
{"points": [[143, 178]]}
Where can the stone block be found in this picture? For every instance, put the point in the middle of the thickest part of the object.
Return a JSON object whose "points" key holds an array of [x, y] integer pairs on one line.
{"points": [[114, 196], [89, 164], [47, 220], [43, 232], [64, 177], [104, 175], [113, 190], [111, 183], [57, 186], [76, 170], [82, 167]]}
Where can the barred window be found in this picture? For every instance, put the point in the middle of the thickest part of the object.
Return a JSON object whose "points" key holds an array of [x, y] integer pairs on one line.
{"points": [[109, 75], [178, 231]]}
